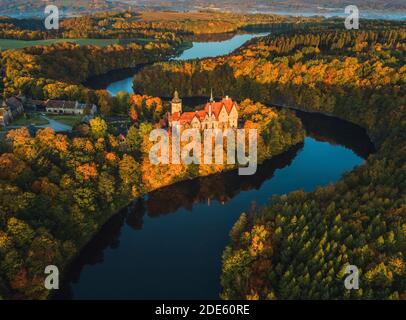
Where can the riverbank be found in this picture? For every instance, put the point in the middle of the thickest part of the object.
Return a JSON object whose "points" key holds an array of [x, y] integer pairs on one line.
{"points": [[157, 177], [374, 140], [214, 201], [275, 226], [193, 48]]}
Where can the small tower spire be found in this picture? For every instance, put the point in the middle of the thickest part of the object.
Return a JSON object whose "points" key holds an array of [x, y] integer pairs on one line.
{"points": [[176, 103], [176, 95], [211, 96]]}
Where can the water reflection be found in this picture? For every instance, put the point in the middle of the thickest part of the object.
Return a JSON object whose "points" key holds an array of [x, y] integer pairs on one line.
{"points": [[141, 240], [204, 46], [337, 132], [185, 195], [220, 187]]}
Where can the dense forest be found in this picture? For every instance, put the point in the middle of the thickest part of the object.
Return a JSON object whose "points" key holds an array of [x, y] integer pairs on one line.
{"points": [[316, 69], [57, 190], [133, 25], [58, 71], [299, 245]]}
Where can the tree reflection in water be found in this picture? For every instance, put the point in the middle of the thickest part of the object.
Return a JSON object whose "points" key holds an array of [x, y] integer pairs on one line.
{"points": [[221, 188]]}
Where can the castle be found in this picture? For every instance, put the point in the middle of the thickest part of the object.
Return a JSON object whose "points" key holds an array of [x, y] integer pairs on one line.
{"points": [[215, 115]]}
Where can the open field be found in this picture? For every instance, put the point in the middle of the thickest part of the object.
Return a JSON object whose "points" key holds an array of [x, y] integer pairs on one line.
{"points": [[29, 119], [20, 44], [69, 120]]}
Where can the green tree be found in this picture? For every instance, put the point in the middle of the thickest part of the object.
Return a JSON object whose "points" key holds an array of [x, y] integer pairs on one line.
{"points": [[98, 127]]}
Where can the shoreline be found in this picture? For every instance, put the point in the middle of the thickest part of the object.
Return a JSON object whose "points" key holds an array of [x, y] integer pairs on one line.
{"points": [[67, 269]]}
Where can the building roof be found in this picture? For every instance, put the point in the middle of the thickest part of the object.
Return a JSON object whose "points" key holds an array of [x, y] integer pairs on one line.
{"points": [[174, 117], [216, 107], [55, 103], [38, 102], [183, 118], [201, 115], [61, 104]]}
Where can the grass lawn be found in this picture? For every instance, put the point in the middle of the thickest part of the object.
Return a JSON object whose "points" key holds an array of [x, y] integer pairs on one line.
{"points": [[20, 44], [69, 120], [29, 119]]}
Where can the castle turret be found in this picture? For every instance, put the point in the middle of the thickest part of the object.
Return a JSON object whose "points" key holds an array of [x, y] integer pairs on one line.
{"points": [[176, 103]]}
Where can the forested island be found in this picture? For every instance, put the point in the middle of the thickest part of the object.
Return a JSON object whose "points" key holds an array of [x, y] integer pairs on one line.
{"points": [[57, 189]]}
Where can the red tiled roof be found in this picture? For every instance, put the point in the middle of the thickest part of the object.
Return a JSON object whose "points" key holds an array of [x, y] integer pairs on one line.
{"points": [[216, 108], [201, 114], [187, 117], [174, 117]]}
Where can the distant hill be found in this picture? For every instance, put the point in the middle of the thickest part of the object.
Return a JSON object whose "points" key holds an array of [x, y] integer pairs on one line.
{"points": [[68, 7], [240, 5], [72, 7]]}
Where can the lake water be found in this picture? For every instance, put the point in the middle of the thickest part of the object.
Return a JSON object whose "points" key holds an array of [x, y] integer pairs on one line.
{"points": [[198, 51], [340, 12], [202, 50]]}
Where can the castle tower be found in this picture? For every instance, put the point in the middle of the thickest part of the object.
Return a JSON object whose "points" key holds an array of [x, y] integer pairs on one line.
{"points": [[176, 103]]}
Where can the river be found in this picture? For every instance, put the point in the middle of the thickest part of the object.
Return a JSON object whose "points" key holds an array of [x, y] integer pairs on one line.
{"points": [[199, 50], [169, 245]]}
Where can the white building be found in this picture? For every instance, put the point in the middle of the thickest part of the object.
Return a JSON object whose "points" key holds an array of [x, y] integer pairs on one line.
{"points": [[69, 107]]}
